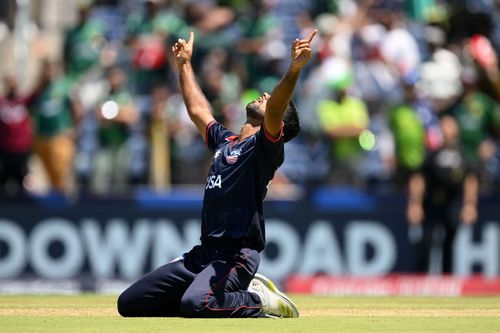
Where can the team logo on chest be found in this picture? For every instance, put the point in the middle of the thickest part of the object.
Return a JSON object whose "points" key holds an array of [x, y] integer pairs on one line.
{"points": [[233, 156]]}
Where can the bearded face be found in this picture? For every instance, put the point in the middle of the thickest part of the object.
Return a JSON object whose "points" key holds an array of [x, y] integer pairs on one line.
{"points": [[254, 112], [256, 108]]}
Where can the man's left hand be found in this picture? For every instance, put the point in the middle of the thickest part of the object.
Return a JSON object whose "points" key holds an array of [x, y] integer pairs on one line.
{"points": [[183, 51]]}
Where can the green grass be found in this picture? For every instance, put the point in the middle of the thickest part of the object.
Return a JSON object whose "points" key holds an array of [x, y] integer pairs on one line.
{"points": [[90, 313]]}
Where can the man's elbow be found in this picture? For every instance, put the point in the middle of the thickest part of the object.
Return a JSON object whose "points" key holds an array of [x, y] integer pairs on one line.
{"points": [[196, 112]]}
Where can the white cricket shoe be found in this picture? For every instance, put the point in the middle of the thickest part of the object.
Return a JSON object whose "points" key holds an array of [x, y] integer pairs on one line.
{"points": [[274, 302]]}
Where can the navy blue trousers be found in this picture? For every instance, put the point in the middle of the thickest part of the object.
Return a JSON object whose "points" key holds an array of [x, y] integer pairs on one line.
{"points": [[205, 283]]}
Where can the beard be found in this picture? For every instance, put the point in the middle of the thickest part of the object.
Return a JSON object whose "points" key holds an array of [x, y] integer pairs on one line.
{"points": [[254, 112]]}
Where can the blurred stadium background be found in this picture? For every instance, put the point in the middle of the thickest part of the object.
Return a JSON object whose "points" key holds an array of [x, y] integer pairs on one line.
{"points": [[102, 173]]}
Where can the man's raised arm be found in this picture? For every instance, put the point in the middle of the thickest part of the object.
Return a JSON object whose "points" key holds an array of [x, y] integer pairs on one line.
{"points": [[198, 108], [282, 93]]}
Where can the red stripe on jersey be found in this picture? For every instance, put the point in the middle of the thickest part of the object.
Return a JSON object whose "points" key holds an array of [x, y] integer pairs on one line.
{"points": [[232, 137], [210, 124], [270, 137]]}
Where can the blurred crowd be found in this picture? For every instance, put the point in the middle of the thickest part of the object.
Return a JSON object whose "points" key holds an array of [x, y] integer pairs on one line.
{"points": [[103, 114]]}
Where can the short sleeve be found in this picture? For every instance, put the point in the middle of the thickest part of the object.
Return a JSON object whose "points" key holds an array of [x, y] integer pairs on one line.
{"points": [[216, 134], [273, 147]]}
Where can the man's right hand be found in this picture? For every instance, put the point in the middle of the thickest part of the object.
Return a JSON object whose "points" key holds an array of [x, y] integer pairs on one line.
{"points": [[198, 108], [183, 51]]}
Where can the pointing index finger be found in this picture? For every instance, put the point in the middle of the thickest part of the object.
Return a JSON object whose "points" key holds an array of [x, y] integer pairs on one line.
{"points": [[311, 36], [191, 38]]}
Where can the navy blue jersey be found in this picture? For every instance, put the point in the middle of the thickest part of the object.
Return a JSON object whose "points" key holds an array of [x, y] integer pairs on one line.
{"points": [[237, 184]]}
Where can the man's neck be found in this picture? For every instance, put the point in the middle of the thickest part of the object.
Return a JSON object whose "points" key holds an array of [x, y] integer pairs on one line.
{"points": [[248, 129]]}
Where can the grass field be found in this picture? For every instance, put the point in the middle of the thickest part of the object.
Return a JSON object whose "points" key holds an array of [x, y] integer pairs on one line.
{"points": [[91, 313]]}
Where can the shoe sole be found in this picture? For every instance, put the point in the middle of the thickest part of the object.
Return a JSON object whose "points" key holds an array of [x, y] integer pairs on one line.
{"points": [[269, 284]]}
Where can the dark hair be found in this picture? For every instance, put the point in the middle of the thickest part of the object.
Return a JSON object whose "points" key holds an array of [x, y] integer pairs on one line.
{"points": [[291, 122]]}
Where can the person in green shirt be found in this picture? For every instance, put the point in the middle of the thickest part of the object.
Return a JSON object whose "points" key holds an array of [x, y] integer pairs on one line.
{"points": [[478, 118], [148, 33], [116, 115], [83, 43], [409, 135], [256, 26], [56, 111], [342, 119]]}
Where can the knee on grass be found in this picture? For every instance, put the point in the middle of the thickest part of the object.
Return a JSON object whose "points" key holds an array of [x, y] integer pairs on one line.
{"points": [[193, 305], [125, 306]]}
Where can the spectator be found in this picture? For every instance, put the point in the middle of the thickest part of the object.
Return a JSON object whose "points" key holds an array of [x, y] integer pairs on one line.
{"points": [[408, 129], [257, 25], [148, 32], [215, 25], [116, 115], [83, 43], [57, 112], [440, 73], [222, 87], [342, 119], [478, 118], [16, 138], [398, 47], [374, 78], [443, 193]]}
